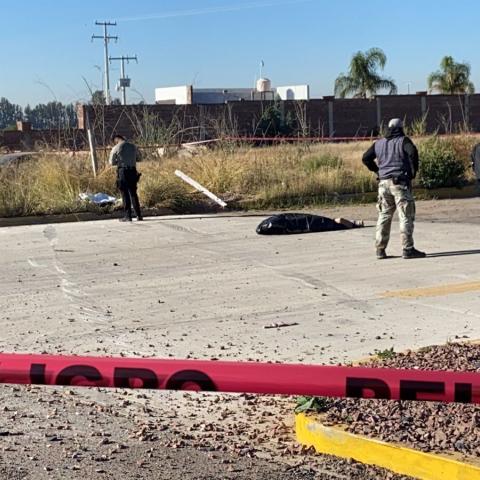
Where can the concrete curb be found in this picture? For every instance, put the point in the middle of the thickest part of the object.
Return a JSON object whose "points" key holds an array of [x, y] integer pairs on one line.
{"points": [[72, 217], [470, 191], [311, 432], [448, 193]]}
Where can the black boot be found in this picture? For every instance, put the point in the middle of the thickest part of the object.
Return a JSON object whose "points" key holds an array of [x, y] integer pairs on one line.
{"points": [[381, 254], [413, 253]]}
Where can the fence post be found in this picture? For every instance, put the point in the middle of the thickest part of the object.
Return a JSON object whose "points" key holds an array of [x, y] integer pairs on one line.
{"points": [[331, 126], [91, 143], [423, 102], [379, 112], [467, 111]]}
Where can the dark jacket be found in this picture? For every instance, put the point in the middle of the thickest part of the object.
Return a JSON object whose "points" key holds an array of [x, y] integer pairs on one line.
{"points": [[476, 160], [404, 165]]}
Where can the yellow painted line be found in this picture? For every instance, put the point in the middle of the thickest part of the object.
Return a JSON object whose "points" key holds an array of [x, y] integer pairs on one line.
{"points": [[405, 461], [438, 291]]}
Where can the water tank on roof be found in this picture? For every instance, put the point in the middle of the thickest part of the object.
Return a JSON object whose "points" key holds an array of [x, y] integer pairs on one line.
{"points": [[264, 85]]}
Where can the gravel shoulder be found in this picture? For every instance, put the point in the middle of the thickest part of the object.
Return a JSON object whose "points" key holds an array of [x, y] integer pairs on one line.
{"points": [[48, 433], [449, 429]]}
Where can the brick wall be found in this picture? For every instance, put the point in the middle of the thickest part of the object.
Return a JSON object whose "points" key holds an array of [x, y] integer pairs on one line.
{"points": [[73, 139], [323, 117], [319, 117], [354, 118], [408, 107]]}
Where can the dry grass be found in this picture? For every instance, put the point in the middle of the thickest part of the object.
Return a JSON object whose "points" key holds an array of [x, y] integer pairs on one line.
{"points": [[49, 184], [284, 175], [280, 176]]}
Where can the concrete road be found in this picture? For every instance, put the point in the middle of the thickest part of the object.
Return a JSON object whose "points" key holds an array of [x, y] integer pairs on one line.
{"points": [[206, 287]]}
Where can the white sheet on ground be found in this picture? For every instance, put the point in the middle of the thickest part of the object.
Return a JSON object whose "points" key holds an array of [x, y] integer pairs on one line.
{"points": [[98, 198]]}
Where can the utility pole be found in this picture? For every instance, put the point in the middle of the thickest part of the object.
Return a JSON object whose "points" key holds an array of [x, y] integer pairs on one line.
{"points": [[106, 39], [124, 82]]}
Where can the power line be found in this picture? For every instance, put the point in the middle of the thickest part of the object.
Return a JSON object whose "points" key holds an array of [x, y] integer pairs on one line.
{"points": [[106, 39], [124, 81]]}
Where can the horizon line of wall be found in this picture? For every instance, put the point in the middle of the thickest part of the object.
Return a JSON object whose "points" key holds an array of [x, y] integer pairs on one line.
{"points": [[328, 117]]}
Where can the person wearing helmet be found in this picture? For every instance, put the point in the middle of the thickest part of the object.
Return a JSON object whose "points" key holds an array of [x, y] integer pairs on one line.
{"points": [[394, 159]]}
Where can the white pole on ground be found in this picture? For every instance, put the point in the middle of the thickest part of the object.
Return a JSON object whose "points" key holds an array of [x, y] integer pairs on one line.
{"points": [[200, 188]]}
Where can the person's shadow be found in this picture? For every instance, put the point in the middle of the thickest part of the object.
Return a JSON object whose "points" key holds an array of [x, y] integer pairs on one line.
{"points": [[457, 253]]}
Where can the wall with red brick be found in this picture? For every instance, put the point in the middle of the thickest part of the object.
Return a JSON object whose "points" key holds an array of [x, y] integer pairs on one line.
{"points": [[73, 139], [319, 117], [406, 107]]}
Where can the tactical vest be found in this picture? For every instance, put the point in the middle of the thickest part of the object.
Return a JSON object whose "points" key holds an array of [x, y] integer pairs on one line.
{"points": [[391, 159], [127, 155]]}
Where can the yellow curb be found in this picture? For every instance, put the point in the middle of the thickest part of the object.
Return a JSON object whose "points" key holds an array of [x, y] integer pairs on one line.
{"points": [[405, 461], [437, 291]]}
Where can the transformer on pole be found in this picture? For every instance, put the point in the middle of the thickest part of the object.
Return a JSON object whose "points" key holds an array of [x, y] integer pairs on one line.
{"points": [[124, 81]]}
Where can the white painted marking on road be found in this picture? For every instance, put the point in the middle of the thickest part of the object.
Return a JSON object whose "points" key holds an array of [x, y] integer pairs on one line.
{"points": [[33, 263]]}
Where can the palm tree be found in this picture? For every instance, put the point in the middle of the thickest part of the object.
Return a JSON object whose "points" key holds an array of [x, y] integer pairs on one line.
{"points": [[363, 79], [452, 78]]}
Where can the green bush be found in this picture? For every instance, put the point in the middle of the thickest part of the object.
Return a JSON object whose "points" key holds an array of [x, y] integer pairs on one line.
{"points": [[440, 165], [273, 124]]}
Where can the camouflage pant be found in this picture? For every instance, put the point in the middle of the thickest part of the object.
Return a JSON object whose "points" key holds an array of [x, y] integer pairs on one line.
{"points": [[390, 198]]}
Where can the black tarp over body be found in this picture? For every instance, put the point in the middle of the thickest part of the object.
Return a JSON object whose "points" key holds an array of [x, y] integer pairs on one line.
{"points": [[291, 223]]}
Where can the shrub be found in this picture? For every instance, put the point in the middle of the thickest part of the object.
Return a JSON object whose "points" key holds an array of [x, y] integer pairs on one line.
{"points": [[418, 126], [463, 146], [440, 165], [312, 404], [273, 124]]}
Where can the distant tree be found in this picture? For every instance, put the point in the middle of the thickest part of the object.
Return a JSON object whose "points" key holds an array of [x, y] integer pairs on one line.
{"points": [[27, 113], [43, 116], [363, 79], [452, 78], [9, 113], [51, 115], [98, 98]]}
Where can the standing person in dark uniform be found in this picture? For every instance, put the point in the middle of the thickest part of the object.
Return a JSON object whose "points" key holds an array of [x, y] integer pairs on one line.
{"points": [[124, 156], [476, 164], [396, 166]]}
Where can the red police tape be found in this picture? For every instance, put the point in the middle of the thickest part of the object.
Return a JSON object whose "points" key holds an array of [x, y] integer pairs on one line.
{"points": [[241, 377]]}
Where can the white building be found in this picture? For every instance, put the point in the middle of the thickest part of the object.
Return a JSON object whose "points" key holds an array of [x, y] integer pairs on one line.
{"points": [[187, 94]]}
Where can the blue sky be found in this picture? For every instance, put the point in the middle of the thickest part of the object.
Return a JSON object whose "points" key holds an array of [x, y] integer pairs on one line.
{"points": [[46, 47]]}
